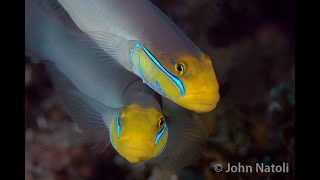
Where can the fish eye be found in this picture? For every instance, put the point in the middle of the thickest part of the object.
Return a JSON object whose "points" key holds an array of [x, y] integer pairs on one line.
{"points": [[180, 68], [163, 126], [161, 121]]}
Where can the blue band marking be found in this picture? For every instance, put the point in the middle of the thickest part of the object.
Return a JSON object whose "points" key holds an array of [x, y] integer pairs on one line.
{"points": [[137, 45], [160, 133], [160, 89], [118, 124], [171, 61], [151, 85], [140, 70], [176, 80], [131, 54]]}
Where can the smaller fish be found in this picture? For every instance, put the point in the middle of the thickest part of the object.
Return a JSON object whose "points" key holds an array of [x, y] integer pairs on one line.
{"points": [[138, 132]]}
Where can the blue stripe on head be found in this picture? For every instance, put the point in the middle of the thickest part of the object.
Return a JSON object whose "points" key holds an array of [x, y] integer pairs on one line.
{"points": [[131, 54], [140, 70], [118, 124], [176, 80], [160, 89], [151, 85], [137, 45], [159, 135]]}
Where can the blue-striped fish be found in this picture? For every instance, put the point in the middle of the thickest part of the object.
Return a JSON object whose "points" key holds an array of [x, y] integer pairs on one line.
{"points": [[145, 41]]}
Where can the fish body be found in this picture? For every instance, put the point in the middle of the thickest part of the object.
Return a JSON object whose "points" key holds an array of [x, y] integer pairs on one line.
{"points": [[145, 41], [93, 97], [112, 106]]}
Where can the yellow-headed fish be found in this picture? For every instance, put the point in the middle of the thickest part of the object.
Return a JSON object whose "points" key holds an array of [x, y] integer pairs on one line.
{"points": [[145, 41], [111, 106]]}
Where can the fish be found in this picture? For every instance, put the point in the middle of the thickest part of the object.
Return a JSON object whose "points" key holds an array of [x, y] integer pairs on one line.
{"points": [[146, 42], [111, 107]]}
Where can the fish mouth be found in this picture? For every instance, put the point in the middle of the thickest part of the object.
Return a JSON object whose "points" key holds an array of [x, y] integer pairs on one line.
{"points": [[134, 154], [201, 108], [201, 102], [136, 159]]}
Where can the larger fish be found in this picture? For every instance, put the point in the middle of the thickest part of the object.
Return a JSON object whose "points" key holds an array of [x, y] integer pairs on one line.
{"points": [[145, 41], [110, 106]]}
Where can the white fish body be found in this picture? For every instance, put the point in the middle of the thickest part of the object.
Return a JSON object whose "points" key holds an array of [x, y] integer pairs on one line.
{"points": [[131, 19], [77, 59]]}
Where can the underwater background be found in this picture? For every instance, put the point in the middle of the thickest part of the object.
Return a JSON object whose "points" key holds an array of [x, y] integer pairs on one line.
{"points": [[252, 46]]}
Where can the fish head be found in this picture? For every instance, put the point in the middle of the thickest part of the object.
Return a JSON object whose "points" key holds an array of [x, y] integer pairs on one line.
{"points": [[187, 80], [138, 133]]}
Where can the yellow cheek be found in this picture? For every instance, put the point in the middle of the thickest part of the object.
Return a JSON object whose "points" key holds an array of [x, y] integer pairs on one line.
{"points": [[132, 154], [113, 135], [157, 79], [161, 144], [136, 141]]}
